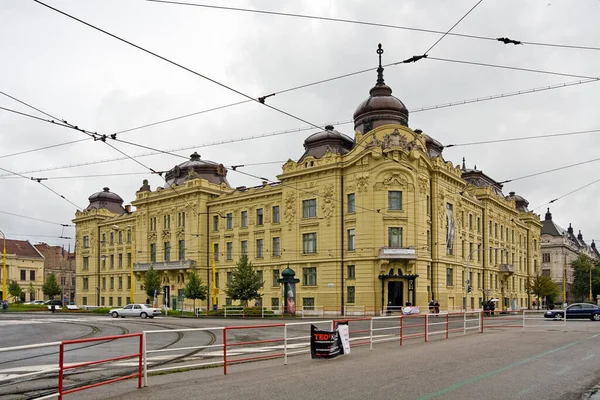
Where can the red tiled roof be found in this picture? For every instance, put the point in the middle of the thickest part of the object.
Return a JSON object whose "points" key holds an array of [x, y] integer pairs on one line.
{"points": [[21, 248]]}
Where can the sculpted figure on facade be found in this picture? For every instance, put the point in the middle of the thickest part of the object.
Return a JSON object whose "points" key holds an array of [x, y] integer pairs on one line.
{"points": [[327, 205], [395, 139], [423, 185], [362, 183], [290, 209]]}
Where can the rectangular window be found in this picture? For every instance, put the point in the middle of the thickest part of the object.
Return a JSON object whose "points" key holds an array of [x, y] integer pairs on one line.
{"points": [[244, 247], [495, 230], [351, 271], [506, 234], [351, 245], [229, 275], [103, 283], [128, 236], [110, 301], [84, 300], [351, 203], [167, 251], [546, 257], [102, 302], [229, 246], [276, 251], [120, 237], [215, 223], [275, 277], [104, 238], [462, 219], [351, 293], [462, 249], [274, 303], [167, 222], [86, 242], [244, 219], [471, 251], [120, 283], [112, 283], [112, 238], [128, 285], [275, 214], [478, 225], [229, 221], [153, 252], [395, 237], [181, 219], [86, 284], [86, 263], [309, 243], [119, 304], [309, 208], [120, 260], [449, 277], [103, 262], [182, 250], [427, 206], [471, 221], [394, 200], [260, 276], [128, 260], [259, 248], [308, 303], [259, 216], [309, 276], [216, 251], [112, 261], [217, 279]]}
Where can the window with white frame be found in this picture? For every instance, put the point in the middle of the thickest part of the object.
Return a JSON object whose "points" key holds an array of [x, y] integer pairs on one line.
{"points": [[309, 276], [309, 208], [351, 244], [309, 243], [394, 237]]}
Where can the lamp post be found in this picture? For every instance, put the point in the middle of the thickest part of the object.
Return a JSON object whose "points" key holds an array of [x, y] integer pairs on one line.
{"points": [[591, 263], [467, 279], [4, 278], [214, 289]]}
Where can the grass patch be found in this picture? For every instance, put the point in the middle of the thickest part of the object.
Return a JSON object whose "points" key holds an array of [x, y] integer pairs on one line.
{"points": [[15, 307]]}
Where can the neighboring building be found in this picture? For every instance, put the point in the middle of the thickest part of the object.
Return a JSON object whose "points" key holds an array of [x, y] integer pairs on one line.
{"points": [[61, 262], [364, 222], [24, 264], [560, 247]]}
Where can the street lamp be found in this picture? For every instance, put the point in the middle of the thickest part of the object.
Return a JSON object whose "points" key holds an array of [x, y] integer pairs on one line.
{"points": [[4, 278], [467, 280], [215, 290]]}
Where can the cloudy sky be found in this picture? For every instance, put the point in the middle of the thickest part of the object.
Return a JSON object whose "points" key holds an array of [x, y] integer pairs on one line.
{"points": [[94, 81]]}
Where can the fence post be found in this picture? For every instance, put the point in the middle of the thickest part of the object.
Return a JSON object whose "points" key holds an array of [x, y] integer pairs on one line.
{"points": [[482, 317], [141, 356], [523, 311], [61, 360], [225, 351], [447, 324], [426, 327], [371, 334], [285, 342], [145, 359], [465, 321], [401, 321]]}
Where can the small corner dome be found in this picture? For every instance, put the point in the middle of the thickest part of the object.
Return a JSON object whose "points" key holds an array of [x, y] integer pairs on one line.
{"points": [[319, 143], [106, 200], [195, 168]]}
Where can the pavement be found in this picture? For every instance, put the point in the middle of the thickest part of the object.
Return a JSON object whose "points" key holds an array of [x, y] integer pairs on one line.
{"points": [[499, 364]]}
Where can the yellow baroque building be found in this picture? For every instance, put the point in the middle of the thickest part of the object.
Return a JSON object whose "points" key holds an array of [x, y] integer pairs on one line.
{"points": [[377, 220]]}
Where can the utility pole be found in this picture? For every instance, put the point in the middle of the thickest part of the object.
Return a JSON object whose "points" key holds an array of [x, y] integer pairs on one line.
{"points": [[4, 278]]}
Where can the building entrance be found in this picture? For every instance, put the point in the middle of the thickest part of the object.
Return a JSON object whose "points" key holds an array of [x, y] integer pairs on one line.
{"points": [[396, 294]]}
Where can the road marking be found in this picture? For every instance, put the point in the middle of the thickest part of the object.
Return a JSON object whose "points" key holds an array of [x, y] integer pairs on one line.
{"points": [[505, 368]]}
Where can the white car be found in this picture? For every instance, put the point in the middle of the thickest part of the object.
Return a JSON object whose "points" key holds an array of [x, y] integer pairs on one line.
{"points": [[37, 302], [135, 310]]}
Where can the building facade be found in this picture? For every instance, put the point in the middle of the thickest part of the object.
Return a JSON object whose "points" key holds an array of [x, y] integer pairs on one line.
{"points": [[370, 221], [25, 265], [560, 247], [61, 263]]}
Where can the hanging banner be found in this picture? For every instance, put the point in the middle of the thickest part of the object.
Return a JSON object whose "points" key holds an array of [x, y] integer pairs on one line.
{"points": [[324, 344], [289, 290]]}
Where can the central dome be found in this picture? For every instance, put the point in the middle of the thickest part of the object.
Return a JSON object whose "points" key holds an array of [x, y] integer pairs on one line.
{"points": [[197, 168], [381, 107]]}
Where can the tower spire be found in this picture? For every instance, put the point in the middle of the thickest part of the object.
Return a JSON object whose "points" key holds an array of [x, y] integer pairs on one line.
{"points": [[380, 80]]}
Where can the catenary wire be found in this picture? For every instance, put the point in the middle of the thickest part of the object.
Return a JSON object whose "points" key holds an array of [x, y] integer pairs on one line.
{"points": [[567, 194], [180, 66], [380, 25], [35, 219]]}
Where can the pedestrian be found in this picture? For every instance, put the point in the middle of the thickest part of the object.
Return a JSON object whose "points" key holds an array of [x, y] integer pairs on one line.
{"points": [[431, 307], [437, 307], [492, 307], [4, 305]]}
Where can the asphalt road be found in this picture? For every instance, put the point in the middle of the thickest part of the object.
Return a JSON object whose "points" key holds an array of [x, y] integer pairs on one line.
{"points": [[501, 363]]}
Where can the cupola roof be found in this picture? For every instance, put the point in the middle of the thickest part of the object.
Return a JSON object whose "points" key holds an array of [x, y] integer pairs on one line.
{"points": [[197, 168]]}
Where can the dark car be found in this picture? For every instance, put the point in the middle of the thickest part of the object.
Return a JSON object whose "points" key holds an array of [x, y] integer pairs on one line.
{"points": [[578, 310], [54, 303]]}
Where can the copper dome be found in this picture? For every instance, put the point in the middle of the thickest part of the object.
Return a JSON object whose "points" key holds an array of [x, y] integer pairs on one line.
{"points": [[106, 200], [319, 143], [197, 168], [381, 107]]}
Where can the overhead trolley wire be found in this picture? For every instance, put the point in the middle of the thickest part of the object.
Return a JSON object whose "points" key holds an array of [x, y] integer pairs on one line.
{"points": [[35, 219], [380, 25]]}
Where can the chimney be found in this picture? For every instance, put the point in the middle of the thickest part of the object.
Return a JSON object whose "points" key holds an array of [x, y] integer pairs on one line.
{"points": [[570, 229], [128, 208], [580, 236]]}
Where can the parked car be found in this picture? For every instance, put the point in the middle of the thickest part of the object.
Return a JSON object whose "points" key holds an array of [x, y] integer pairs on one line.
{"points": [[36, 302], [577, 310], [135, 310], [54, 303]]}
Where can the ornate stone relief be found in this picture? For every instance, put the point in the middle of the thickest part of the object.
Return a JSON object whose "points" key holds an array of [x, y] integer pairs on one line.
{"points": [[327, 204], [362, 183], [290, 209], [423, 185], [393, 179]]}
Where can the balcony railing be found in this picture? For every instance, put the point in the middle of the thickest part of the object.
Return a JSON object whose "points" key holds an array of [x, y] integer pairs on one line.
{"points": [[398, 253], [509, 268], [165, 265]]}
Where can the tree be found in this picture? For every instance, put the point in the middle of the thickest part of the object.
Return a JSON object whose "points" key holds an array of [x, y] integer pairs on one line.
{"points": [[245, 282], [151, 282], [542, 286], [194, 289], [582, 266], [15, 291], [51, 288], [31, 290]]}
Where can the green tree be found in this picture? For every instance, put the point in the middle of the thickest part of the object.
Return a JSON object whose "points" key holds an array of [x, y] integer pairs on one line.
{"points": [[31, 290], [194, 288], [151, 282], [541, 286], [50, 287], [582, 266], [245, 282], [15, 291]]}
